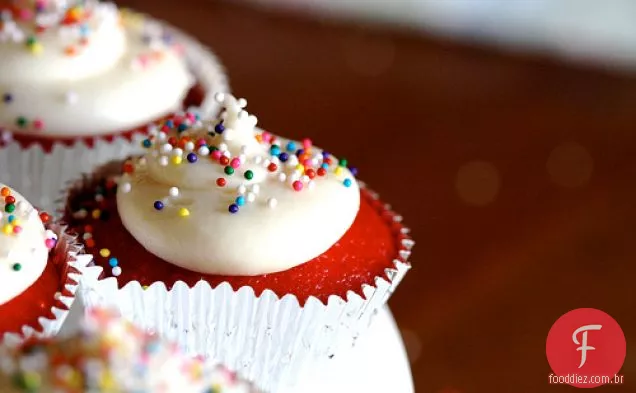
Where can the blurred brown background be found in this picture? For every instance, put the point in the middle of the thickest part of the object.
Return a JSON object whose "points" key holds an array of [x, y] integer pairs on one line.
{"points": [[517, 176]]}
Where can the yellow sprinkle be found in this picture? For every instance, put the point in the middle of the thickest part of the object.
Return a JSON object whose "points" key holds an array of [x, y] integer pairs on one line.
{"points": [[36, 48], [177, 160], [96, 213], [338, 171], [144, 287], [16, 222], [104, 252], [7, 229], [300, 168], [75, 12], [183, 212], [32, 381]]}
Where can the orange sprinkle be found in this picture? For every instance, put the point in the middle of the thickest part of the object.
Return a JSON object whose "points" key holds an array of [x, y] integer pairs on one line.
{"points": [[5, 191], [259, 138], [70, 50]]}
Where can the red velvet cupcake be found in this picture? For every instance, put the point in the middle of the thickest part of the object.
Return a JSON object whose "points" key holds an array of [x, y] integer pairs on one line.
{"points": [[41, 270], [263, 253], [79, 83]]}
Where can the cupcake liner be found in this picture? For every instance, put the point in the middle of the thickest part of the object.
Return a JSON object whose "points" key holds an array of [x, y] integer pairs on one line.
{"points": [[268, 339], [68, 248], [40, 167]]}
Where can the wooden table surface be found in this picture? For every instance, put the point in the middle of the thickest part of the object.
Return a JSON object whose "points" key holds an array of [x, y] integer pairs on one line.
{"points": [[516, 175]]}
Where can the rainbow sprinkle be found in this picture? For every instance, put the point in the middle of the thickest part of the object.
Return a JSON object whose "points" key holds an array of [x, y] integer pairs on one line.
{"points": [[14, 214]]}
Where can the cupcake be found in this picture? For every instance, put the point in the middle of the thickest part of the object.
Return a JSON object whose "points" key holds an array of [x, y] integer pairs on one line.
{"points": [[39, 266], [80, 80], [263, 253], [110, 356]]}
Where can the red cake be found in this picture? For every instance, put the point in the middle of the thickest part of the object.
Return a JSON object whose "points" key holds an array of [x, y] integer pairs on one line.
{"points": [[39, 282]]}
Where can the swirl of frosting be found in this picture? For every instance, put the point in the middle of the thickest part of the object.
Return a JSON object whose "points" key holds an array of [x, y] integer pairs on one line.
{"points": [[24, 244], [67, 64], [224, 197]]}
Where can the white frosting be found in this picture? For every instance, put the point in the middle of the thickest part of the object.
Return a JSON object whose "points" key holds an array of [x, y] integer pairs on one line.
{"points": [[23, 251], [111, 355], [277, 228], [123, 74]]}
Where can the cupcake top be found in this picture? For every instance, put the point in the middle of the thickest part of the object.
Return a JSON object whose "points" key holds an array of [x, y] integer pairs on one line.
{"points": [[110, 356], [220, 196], [24, 244], [82, 67]]}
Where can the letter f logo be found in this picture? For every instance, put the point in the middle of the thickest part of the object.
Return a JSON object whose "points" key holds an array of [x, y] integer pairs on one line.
{"points": [[583, 344]]}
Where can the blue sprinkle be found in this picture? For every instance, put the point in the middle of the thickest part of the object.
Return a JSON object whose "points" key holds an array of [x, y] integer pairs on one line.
{"points": [[169, 123], [182, 127], [274, 150], [325, 165], [240, 200], [325, 154], [11, 218], [147, 143], [291, 147], [192, 158], [233, 208], [113, 262], [283, 157], [158, 205], [7, 98], [299, 152], [347, 182], [354, 171], [219, 128], [84, 30]]}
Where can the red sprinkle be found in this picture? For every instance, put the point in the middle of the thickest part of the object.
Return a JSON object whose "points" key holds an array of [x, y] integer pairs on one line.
{"points": [[9, 199], [129, 167], [310, 173], [224, 160], [298, 185], [272, 167], [221, 182], [321, 171], [44, 216]]}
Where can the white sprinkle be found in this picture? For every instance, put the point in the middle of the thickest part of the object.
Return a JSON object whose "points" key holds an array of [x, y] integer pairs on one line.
{"points": [[244, 149], [71, 97], [292, 160], [219, 97], [242, 189], [275, 160], [304, 178], [294, 176], [166, 148], [311, 185], [203, 151], [189, 146], [57, 295], [87, 236], [116, 271], [242, 158], [256, 188], [222, 147], [174, 192], [258, 160], [251, 197], [227, 154], [152, 130], [272, 202], [282, 176], [161, 136], [142, 161], [125, 187], [242, 102], [266, 163], [163, 161], [314, 162], [177, 152]]}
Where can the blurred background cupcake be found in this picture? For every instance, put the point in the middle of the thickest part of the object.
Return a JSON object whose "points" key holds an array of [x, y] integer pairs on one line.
{"points": [[110, 355], [80, 81], [260, 252], [39, 265]]}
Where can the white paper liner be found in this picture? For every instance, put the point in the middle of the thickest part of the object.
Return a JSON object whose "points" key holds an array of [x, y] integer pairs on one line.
{"points": [[41, 175], [269, 340], [50, 327]]}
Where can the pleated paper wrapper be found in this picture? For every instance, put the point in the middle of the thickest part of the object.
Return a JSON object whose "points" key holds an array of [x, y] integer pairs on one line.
{"points": [[269, 340], [77, 263], [40, 172]]}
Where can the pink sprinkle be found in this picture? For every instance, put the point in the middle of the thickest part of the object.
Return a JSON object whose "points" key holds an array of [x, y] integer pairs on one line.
{"points": [[307, 163], [235, 163], [17, 229], [190, 116], [50, 243], [165, 129], [267, 137], [201, 142], [217, 154], [38, 124], [306, 143], [298, 185], [25, 14], [178, 120]]}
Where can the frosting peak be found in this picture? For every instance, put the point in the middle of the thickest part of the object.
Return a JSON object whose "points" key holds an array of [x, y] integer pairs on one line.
{"points": [[24, 244], [221, 196]]}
